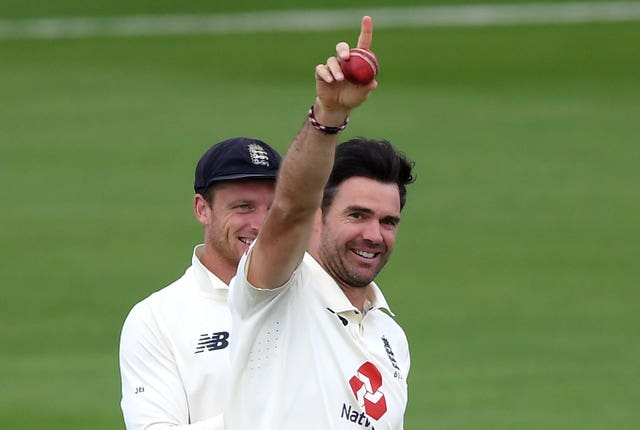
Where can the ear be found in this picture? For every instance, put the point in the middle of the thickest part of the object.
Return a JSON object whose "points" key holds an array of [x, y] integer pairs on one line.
{"points": [[201, 209]]}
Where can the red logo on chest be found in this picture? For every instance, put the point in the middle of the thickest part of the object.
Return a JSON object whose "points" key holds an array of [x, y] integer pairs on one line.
{"points": [[365, 385]]}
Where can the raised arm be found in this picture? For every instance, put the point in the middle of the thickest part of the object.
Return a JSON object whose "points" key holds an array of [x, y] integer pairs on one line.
{"points": [[305, 169]]}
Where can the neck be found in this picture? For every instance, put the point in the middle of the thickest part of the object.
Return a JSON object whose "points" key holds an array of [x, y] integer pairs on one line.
{"points": [[356, 295], [219, 267]]}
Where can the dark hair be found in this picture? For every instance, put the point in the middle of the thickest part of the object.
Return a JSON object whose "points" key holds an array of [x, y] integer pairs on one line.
{"points": [[369, 158]]}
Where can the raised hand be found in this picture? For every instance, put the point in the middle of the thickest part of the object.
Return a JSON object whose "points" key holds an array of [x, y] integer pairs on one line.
{"points": [[334, 93]]}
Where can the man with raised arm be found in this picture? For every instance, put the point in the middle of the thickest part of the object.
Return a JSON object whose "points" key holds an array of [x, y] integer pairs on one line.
{"points": [[315, 346]]}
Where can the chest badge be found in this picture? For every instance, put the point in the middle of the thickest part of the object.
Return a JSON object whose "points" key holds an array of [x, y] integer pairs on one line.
{"points": [[366, 387]]}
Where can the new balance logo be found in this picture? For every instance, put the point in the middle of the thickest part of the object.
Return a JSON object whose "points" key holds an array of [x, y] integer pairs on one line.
{"points": [[219, 340]]}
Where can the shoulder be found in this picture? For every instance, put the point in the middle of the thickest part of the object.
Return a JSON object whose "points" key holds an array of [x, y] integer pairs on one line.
{"points": [[389, 324], [246, 299], [391, 331], [240, 279], [166, 297]]}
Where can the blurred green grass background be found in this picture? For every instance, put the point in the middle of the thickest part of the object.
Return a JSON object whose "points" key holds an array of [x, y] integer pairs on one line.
{"points": [[516, 271]]}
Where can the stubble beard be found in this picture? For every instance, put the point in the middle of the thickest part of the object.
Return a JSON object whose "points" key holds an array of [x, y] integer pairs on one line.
{"points": [[225, 248], [337, 265]]}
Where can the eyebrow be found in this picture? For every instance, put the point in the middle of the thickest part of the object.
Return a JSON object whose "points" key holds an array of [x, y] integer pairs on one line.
{"points": [[355, 208], [239, 202]]}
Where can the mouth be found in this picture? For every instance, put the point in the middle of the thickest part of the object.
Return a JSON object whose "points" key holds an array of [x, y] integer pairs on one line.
{"points": [[365, 254], [246, 240]]}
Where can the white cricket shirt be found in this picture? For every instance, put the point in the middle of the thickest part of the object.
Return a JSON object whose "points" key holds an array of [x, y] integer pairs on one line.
{"points": [[174, 355], [305, 358]]}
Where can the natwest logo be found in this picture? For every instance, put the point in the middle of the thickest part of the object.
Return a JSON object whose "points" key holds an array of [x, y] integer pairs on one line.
{"points": [[365, 385]]}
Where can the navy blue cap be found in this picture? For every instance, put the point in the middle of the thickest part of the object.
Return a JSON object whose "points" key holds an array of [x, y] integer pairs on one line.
{"points": [[235, 159]]}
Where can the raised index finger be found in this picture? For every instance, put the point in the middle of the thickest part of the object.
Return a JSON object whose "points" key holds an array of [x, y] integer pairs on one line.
{"points": [[366, 33]]}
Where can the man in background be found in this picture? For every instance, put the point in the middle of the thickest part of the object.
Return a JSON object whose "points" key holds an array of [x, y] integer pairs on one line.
{"points": [[174, 347]]}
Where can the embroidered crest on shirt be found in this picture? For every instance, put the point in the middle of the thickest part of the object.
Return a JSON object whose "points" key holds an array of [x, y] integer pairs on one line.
{"points": [[392, 358], [366, 387], [258, 155]]}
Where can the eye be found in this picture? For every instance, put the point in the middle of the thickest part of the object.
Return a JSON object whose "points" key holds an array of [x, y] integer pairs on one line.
{"points": [[390, 222], [242, 207], [356, 215]]}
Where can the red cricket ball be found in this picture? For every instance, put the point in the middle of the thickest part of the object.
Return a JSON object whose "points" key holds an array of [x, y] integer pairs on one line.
{"points": [[361, 67]]}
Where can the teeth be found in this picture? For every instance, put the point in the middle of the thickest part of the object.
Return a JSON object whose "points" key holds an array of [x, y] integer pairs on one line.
{"points": [[364, 253], [246, 241]]}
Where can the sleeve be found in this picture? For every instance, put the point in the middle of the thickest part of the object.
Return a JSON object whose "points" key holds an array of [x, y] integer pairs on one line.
{"points": [[406, 357], [153, 397], [245, 299]]}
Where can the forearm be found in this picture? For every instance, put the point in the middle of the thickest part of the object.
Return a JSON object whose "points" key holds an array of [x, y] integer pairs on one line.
{"points": [[308, 163], [303, 175]]}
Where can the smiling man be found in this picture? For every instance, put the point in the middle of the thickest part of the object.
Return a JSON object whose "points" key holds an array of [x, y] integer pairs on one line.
{"points": [[174, 348], [315, 343]]}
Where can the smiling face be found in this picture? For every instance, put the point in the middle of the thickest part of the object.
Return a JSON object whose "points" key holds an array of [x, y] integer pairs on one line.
{"points": [[232, 221], [358, 230]]}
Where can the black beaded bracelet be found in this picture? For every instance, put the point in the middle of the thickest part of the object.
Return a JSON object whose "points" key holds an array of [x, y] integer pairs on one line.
{"points": [[324, 128]]}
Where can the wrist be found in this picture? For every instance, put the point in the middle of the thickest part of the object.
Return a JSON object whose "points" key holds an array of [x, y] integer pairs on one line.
{"points": [[329, 116], [328, 122]]}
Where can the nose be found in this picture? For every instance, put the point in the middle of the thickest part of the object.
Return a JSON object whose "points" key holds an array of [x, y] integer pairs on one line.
{"points": [[258, 217], [372, 231]]}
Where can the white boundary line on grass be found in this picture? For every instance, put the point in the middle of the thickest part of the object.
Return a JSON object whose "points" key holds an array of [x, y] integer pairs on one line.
{"points": [[307, 20]]}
